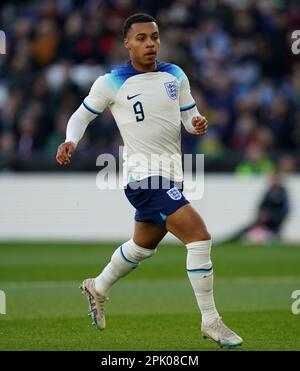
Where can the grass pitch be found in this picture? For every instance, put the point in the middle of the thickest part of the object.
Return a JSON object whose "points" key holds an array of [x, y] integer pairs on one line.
{"points": [[154, 307]]}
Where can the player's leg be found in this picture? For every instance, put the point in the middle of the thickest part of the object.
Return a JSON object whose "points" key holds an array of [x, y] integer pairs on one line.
{"points": [[125, 258], [129, 255], [188, 226], [148, 234]]}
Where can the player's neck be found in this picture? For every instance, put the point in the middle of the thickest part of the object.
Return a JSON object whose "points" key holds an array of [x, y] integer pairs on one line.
{"points": [[142, 68]]}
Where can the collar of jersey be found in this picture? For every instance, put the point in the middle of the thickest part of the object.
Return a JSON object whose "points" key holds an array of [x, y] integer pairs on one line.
{"points": [[136, 72]]}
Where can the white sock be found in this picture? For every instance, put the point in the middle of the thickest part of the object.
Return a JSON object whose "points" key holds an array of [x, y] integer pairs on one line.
{"points": [[124, 260], [200, 272]]}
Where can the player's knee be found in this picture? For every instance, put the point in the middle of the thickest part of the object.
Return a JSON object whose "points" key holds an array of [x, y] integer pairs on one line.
{"points": [[198, 230], [206, 236], [201, 235], [146, 243]]}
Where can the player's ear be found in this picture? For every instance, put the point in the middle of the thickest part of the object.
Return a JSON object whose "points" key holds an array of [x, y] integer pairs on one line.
{"points": [[126, 43]]}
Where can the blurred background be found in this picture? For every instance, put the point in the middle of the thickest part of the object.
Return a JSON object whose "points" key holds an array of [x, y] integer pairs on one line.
{"points": [[237, 54]]}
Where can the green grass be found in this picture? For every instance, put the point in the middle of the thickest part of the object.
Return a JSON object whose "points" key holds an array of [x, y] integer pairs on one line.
{"points": [[151, 309]]}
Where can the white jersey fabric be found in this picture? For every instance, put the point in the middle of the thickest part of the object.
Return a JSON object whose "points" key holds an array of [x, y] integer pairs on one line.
{"points": [[147, 108]]}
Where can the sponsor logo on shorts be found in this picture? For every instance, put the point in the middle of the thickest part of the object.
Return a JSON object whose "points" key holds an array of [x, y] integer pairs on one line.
{"points": [[174, 194]]}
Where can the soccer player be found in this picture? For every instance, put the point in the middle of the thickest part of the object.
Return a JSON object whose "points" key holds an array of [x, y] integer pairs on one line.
{"points": [[149, 99]]}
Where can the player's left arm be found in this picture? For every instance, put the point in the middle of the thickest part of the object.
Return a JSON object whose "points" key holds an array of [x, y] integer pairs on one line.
{"points": [[192, 120]]}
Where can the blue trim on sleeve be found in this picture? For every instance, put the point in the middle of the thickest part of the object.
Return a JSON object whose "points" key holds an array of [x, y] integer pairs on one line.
{"points": [[89, 108], [185, 108]]}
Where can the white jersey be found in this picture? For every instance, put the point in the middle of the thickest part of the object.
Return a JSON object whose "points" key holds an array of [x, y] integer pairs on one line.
{"points": [[147, 108]]}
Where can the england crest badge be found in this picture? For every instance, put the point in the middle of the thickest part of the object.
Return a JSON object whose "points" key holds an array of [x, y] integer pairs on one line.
{"points": [[174, 194], [172, 89]]}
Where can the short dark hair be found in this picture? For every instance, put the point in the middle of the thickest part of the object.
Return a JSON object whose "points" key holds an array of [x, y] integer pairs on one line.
{"points": [[136, 18]]}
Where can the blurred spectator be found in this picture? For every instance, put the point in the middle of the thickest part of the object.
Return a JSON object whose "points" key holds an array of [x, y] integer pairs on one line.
{"points": [[286, 164], [7, 150], [45, 43], [271, 214], [27, 131], [255, 162], [57, 136]]}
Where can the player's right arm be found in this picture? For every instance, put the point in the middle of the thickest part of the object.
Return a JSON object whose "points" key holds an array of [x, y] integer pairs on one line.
{"points": [[97, 100]]}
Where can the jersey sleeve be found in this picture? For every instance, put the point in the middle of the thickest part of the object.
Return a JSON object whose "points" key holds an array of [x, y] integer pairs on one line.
{"points": [[186, 100], [100, 95]]}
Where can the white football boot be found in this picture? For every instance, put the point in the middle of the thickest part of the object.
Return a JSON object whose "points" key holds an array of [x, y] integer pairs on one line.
{"points": [[96, 303], [221, 334]]}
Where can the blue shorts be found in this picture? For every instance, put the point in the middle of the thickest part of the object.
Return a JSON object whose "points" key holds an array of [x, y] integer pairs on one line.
{"points": [[154, 204]]}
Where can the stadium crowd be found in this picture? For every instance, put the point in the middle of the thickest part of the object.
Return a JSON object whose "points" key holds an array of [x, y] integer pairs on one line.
{"points": [[237, 54]]}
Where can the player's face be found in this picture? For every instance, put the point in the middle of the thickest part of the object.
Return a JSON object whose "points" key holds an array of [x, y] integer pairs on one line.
{"points": [[143, 43]]}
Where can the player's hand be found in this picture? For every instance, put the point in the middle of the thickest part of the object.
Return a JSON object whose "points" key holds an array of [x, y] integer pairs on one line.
{"points": [[200, 124], [65, 152]]}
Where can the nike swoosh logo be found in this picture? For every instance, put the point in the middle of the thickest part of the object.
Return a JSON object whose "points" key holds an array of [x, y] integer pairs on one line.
{"points": [[133, 96]]}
